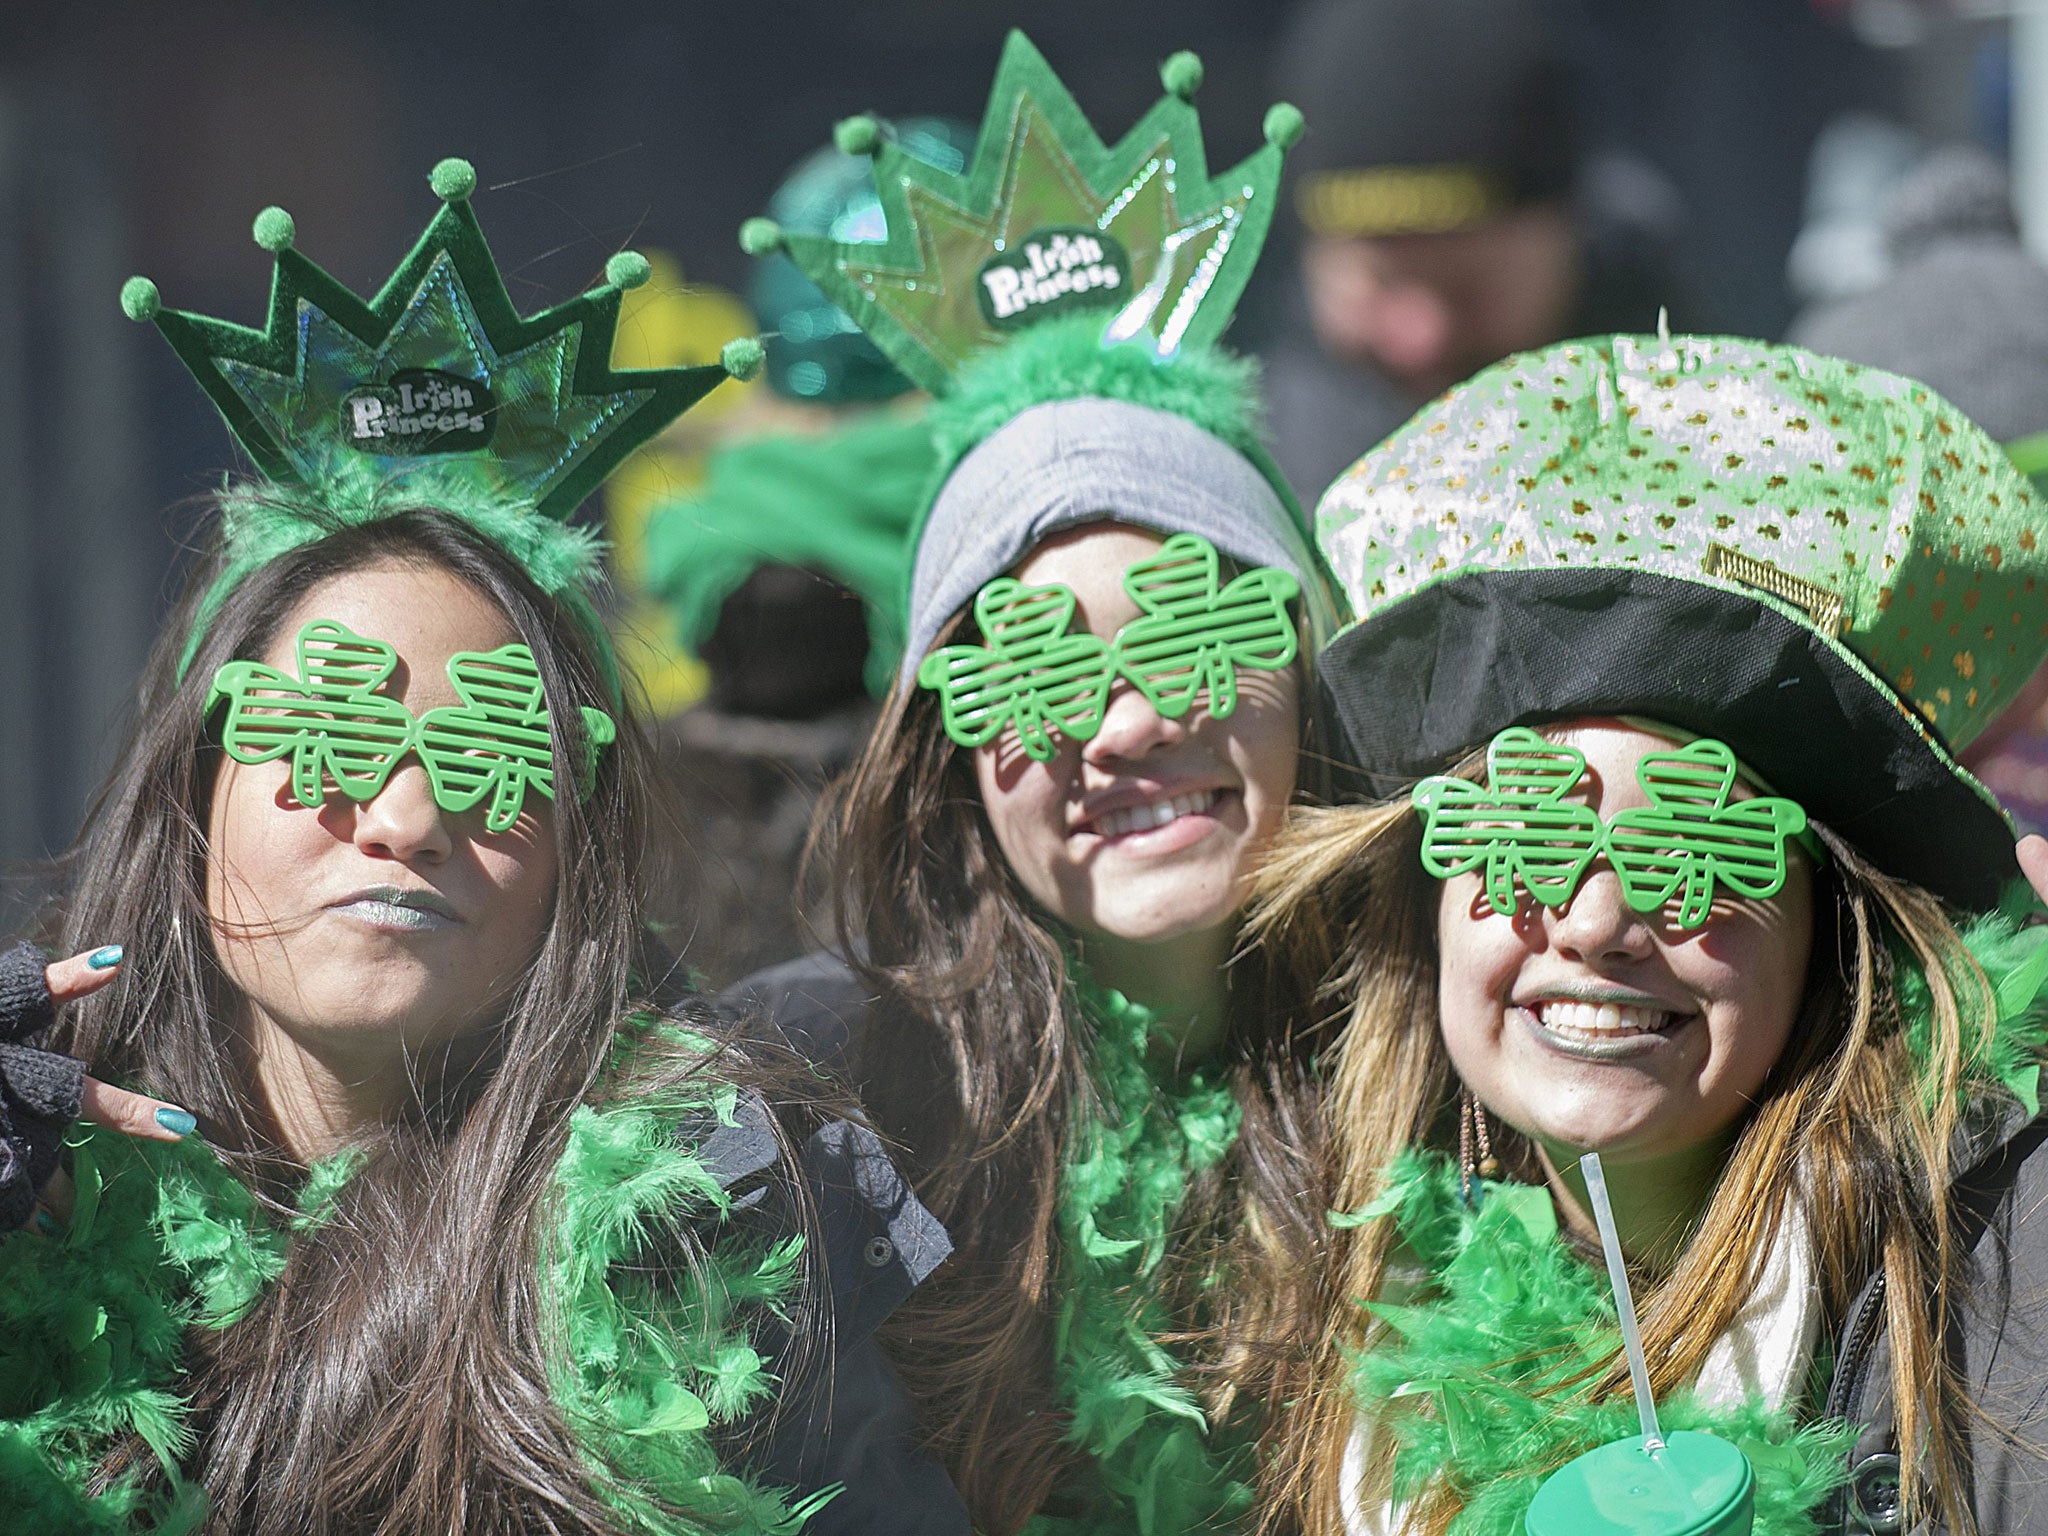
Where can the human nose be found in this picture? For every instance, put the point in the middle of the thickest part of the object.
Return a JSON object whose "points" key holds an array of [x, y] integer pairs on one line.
{"points": [[1131, 727], [402, 821], [1597, 923], [1411, 326]]}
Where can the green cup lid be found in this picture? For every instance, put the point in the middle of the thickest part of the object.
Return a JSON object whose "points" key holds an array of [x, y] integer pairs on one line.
{"points": [[1694, 1485]]}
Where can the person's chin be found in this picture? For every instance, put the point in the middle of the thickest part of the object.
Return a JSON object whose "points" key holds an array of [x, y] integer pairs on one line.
{"points": [[401, 994], [1141, 917], [1613, 1129]]}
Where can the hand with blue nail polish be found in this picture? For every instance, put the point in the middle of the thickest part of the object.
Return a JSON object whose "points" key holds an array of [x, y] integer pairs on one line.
{"points": [[46, 1090], [102, 1103]]}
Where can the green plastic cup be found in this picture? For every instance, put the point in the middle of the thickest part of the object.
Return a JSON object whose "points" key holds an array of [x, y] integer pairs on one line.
{"points": [[1693, 1485]]}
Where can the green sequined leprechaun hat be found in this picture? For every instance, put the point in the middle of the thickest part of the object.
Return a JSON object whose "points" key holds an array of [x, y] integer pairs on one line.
{"points": [[1826, 566], [1063, 296], [436, 392]]}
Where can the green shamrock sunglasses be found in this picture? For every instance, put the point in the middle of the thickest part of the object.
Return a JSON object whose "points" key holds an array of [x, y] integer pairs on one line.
{"points": [[1188, 637], [339, 729], [1519, 829]]}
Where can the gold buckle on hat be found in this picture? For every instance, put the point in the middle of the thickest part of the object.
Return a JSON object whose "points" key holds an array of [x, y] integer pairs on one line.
{"points": [[1822, 607]]}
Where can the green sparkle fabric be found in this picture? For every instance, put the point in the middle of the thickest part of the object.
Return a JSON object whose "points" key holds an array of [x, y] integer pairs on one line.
{"points": [[1047, 219], [1838, 489]]}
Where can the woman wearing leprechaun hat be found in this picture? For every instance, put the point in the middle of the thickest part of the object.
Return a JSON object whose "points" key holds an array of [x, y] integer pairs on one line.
{"points": [[483, 1227], [1041, 858], [1664, 649]]}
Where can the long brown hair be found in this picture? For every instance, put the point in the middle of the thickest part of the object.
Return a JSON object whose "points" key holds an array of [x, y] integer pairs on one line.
{"points": [[1848, 1107], [974, 1061], [396, 1377]]}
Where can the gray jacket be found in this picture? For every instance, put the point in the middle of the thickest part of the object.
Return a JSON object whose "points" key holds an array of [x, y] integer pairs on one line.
{"points": [[1999, 1343]]}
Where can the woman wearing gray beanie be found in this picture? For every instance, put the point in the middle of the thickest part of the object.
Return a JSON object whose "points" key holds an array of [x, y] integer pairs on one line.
{"points": [[1041, 858]]}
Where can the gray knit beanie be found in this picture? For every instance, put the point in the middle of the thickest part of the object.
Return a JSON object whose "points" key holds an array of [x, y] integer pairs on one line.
{"points": [[1070, 462]]}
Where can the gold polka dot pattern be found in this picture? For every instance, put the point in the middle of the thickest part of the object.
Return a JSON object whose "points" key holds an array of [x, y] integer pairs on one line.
{"points": [[1860, 500]]}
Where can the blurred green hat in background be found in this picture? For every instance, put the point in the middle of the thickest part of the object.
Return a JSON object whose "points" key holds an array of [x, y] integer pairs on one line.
{"points": [[838, 503], [1826, 566]]}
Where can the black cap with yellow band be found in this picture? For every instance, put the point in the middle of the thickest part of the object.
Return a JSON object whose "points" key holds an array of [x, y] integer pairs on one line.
{"points": [[1426, 115]]}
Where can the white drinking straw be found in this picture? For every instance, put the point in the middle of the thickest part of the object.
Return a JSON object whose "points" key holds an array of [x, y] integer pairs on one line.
{"points": [[1624, 1303]]}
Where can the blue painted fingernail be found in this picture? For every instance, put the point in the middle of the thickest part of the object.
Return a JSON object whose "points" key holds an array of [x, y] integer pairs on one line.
{"points": [[104, 958], [176, 1121], [49, 1225]]}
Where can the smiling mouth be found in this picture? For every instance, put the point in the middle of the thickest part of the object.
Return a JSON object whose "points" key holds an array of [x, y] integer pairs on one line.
{"points": [[390, 907], [1602, 1023], [1154, 813]]}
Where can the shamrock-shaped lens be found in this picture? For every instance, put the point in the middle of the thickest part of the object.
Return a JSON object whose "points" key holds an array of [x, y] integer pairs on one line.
{"points": [[1690, 838], [496, 743], [1192, 636], [1032, 674], [330, 718], [1517, 826]]}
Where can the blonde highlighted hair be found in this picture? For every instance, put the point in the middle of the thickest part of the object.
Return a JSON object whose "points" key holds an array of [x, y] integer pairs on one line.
{"points": [[1866, 1122]]}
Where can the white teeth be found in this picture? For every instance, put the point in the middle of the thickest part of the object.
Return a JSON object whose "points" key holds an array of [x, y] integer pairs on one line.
{"points": [[1602, 1019], [1155, 813]]}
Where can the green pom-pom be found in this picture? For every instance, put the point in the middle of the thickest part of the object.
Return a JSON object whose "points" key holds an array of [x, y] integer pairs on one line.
{"points": [[1284, 124], [743, 356], [628, 269], [453, 180], [139, 299], [1182, 75], [760, 237], [274, 230], [858, 135]]}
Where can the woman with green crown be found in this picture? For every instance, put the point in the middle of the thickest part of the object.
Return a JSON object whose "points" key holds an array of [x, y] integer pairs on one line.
{"points": [[453, 1217], [1664, 648], [1040, 859]]}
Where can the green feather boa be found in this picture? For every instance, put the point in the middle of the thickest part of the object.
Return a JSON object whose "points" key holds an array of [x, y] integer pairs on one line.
{"points": [[1512, 1321], [1510, 1325], [1154, 1464], [164, 1238]]}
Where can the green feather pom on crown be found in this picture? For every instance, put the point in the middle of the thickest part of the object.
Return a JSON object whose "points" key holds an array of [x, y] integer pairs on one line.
{"points": [[1046, 220], [436, 392]]}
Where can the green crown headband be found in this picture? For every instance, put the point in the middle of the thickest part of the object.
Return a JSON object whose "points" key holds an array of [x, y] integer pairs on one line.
{"points": [[437, 389], [341, 731], [1519, 830], [1189, 638], [1046, 220]]}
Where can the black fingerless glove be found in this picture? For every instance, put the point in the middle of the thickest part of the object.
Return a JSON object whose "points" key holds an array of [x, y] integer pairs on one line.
{"points": [[39, 1090]]}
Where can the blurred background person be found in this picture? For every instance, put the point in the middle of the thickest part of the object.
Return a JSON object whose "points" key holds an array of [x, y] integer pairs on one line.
{"points": [[1447, 216], [784, 575], [1963, 308]]}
